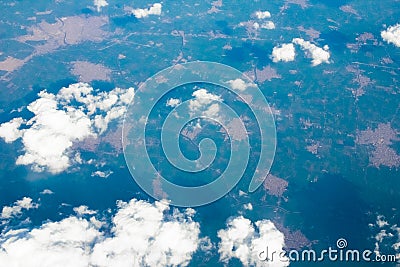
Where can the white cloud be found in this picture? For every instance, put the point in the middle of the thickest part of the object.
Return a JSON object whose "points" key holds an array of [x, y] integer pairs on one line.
{"points": [[385, 234], [102, 174], [269, 25], [25, 203], [141, 234], [47, 192], [52, 131], [285, 52], [84, 210], [241, 193], [212, 110], [9, 131], [204, 102], [173, 102], [202, 97], [155, 9], [248, 206], [380, 221], [99, 4], [243, 241], [319, 55], [73, 114], [263, 14], [392, 35], [64, 243], [239, 84]]}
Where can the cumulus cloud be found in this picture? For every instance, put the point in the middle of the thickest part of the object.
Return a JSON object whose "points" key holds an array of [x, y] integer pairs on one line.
{"points": [[25, 203], [204, 102], [259, 21], [73, 114], [239, 84], [99, 4], [202, 97], [102, 174], [9, 131], [392, 35], [319, 55], [244, 240], [248, 206], [64, 243], [84, 210], [269, 25], [263, 14], [173, 102], [155, 9], [285, 52], [51, 133], [380, 221], [386, 235], [141, 234], [47, 192]]}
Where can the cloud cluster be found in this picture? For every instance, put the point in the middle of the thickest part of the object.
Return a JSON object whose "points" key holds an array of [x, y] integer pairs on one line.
{"points": [[260, 20], [99, 4], [9, 131], [392, 35], [64, 243], [155, 9], [173, 102], [285, 52], [386, 235], [239, 84], [262, 16], [205, 103], [73, 114], [84, 210], [243, 241], [269, 25], [25, 203], [47, 192], [141, 234], [102, 174], [319, 55]]}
